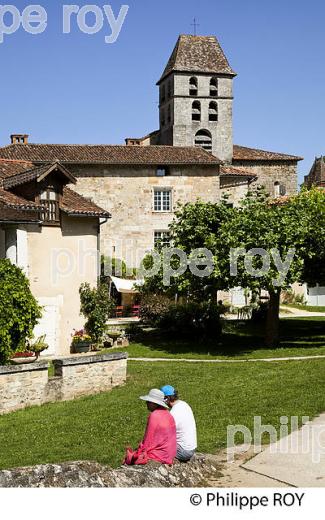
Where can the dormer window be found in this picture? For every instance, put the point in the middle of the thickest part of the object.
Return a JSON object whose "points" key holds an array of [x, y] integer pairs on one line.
{"points": [[193, 87], [49, 200]]}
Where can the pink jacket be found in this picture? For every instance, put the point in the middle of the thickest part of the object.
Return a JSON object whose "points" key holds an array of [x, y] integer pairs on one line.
{"points": [[159, 441]]}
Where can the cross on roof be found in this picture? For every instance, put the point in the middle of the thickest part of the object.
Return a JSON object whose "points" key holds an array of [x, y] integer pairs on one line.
{"points": [[195, 25]]}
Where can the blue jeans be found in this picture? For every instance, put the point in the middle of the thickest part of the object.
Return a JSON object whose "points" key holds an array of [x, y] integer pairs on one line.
{"points": [[184, 455]]}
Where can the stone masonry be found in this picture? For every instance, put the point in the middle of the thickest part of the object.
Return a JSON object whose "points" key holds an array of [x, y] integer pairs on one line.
{"points": [[27, 385], [128, 194], [85, 474]]}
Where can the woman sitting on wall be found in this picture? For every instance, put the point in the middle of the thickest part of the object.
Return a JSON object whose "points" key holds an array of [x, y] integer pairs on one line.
{"points": [[159, 441]]}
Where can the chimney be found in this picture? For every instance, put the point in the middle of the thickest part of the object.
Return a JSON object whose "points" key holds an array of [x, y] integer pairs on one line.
{"points": [[19, 138]]}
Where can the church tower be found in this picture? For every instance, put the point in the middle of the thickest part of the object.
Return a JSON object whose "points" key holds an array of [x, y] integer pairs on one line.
{"points": [[196, 97]]}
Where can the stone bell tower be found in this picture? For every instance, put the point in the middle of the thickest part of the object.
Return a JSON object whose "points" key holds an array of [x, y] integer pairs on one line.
{"points": [[196, 97]]}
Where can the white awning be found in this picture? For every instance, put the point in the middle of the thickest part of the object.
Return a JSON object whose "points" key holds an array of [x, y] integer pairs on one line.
{"points": [[126, 286]]}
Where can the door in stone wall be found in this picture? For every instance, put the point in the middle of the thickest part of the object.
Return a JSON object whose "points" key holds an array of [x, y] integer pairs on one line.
{"points": [[49, 324]]}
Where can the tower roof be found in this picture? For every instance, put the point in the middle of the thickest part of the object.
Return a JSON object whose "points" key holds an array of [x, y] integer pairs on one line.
{"points": [[197, 54]]}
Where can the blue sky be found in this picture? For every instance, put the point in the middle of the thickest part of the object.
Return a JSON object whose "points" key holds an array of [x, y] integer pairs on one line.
{"points": [[75, 88]]}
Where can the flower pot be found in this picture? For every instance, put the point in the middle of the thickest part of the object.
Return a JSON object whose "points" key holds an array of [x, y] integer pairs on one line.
{"points": [[21, 359], [81, 348]]}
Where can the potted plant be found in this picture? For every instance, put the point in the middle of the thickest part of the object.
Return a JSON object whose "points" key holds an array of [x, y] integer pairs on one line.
{"points": [[81, 342], [31, 353], [114, 334], [22, 358]]}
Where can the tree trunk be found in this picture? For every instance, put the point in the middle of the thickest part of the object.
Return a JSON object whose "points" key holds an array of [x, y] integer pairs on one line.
{"points": [[272, 336]]}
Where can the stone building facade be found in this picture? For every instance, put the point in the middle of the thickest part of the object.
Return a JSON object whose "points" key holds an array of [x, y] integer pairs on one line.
{"points": [[51, 233], [316, 176]]}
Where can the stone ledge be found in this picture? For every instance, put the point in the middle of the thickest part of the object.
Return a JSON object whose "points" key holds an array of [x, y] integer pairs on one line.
{"points": [[93, 475], [29, 367], [86, 360]]}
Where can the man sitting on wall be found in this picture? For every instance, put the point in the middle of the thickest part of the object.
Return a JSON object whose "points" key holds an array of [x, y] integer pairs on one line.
{"points": [[185, 424]]}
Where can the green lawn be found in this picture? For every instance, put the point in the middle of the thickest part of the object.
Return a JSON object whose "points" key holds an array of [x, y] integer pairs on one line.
{"points": [[98, 427], [309, 308], [300, 337]]}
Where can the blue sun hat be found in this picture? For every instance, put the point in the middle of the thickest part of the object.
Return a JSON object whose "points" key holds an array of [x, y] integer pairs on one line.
{"points": [[168, 390]]}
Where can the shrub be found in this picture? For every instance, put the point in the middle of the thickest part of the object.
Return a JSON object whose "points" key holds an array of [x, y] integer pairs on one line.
{"points": [[153, 307], [96, 307], [193, 319], [19, 311]]}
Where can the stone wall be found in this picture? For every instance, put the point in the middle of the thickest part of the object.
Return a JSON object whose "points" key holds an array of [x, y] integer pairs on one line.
{"points": [[22, 385], [27, 385], [128, 192], [180, 131], [90, 374], [284, 172], [196, 473]]}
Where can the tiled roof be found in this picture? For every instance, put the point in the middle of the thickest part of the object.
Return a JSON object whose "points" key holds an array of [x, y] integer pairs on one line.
{"points": [[8, 214], [9, 167], [13, 201], [108, 154], [242, 153], [74, 204], [226, 171], [37, 173], [17, 209], [198, 54]]}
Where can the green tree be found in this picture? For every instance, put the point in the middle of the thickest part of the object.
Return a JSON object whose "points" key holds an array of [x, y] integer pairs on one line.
{"points": [[196, 226], [19, 311], [290, 232], [285, 229]]}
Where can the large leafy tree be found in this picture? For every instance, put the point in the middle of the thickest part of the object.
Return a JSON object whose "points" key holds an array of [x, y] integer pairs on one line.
{"points": [[262, 244]]}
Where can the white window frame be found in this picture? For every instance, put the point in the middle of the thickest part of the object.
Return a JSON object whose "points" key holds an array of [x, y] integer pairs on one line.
{"points": [[162, 191], [164, 234]]}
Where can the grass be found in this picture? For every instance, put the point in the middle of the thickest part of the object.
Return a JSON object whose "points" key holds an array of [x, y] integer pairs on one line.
{"points": [[300, 337], [99, 427], [309, 308]]}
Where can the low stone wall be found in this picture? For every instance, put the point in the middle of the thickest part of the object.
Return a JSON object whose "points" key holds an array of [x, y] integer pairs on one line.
{"points": [[90, 374], [27, 385], [22, 385], [196, 473]]}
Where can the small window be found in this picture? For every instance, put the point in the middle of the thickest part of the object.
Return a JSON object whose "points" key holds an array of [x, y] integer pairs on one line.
{"points": [[161, 239], [214, 87], [49, 200], [277, 189], [213, 111], [283, 190], [193, 87], [162, 171], [203, 139], [162, 200], [196, 111]]}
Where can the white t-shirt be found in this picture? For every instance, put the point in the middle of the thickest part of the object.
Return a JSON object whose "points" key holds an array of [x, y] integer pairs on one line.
{"points": [[185, 425]]}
